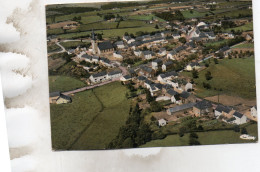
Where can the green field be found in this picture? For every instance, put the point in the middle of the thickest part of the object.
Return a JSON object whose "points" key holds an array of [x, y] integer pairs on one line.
{"points": [[74, 44], [236, 77], [195, 14], [64, 83], [246, 27], [92, 120], [53, 48], [245, 45], [205, 138], [216, 43]]}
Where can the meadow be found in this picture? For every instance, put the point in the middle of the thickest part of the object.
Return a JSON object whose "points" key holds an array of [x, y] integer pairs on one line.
{"points": [[92, 120]]}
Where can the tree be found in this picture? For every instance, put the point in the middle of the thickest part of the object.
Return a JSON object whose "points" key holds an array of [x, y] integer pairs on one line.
{"points": [[200, 128], [194, 135], [195, 73], [156, 26], [128, 143], [208, 75], [182, 40], [193, 139], [149, 98], [216, 61], [244, 131], [182, 130], [206, 64], [126, 34], [99, 37], [236, 128], [155, 106]]}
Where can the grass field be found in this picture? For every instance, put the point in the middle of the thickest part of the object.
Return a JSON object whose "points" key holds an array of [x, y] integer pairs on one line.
{"points": [[246, 27], [53, 48], [216, 43], [64, 83], [92, 120], [74, 44], [236, 77], [112, 33], [205, 138], [195, 14], [245, 45]]}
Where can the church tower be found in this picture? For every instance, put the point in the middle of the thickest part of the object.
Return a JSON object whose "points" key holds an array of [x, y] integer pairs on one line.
{"points": [[93, 42]]}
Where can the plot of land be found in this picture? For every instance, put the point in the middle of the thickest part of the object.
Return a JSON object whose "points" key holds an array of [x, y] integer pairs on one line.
{"points": [[236, 77], [205, 138], [64, 83], [245, 45], [92, 120]]}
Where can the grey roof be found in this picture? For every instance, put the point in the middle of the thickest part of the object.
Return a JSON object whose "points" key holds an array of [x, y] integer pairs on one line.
{"points": [[55, 94], [231, 119], [103, 73], [221, 108], [119, 43], [149, 82], [105, 60], [185, 94], [114, 72], [168, 63], [237, 114], [168, 74], [127, 77], [157, 61], [194, 64], [167, 86], [147, 69], [224, 49], [65, 97], [172, 92], [147, 52], [204, 104], [181, 107], [105, 45], [86, 56], [141, 78], [158, 85]]}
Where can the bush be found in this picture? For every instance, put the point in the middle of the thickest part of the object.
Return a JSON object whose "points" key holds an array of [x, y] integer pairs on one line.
{"points": [[194, 135], [236, 128], [244, 131], [155, 106]]}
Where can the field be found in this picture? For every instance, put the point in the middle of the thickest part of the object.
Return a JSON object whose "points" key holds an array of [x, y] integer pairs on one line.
{"points": [[246, 27], [92, 120], [205, 138], [64, 83], [245, 45], [236, 77], [53, 48]]}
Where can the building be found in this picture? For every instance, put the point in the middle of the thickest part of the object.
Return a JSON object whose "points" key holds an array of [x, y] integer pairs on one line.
{"points": [[191, 66], [178, 110], [59, 98], [239, 118], [167, 65], [156, 64], [202, 108], [119, 44], [148, 55], [188, 86], [254, 111], [105, 47], [138, 53], [117, 55], [162, 52], [114, 74], [99, 77], [222, 110], [126, 79], [162, 78], [162, 122]]}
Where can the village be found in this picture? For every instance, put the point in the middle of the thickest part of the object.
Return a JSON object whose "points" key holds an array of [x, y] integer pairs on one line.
{"points": [[156, 68]]}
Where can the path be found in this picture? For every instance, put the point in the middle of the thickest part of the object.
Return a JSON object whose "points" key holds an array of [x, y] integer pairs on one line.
{"points": [[61, 51]]}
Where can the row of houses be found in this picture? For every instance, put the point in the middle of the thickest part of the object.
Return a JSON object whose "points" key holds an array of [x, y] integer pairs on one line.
{"points": [[97, 60], [105, 76]]}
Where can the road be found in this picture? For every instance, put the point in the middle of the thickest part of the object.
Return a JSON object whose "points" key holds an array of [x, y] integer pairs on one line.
{"points": [[61, 51]]}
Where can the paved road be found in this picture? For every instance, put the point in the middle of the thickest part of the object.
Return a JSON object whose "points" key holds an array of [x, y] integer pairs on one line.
{"points": [[90, 87], [61, 51]]}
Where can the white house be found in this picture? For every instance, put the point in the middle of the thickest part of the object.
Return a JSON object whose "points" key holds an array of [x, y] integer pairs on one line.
{"points": [[120, 44], [176, 36], [156, 63], [99, 77], [126, 78], [188, 86], [221, 110], [171, 54], [114, 74], [166, 65], [239, 118], [118, 55], [167, 76], [162, 52], [138, 53], [162, 122], [254, 111], [147, 55], [193, 65]]}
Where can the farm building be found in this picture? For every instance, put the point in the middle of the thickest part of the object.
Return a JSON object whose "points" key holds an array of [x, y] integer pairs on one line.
{"points": [[177, 110], [59, 98]]}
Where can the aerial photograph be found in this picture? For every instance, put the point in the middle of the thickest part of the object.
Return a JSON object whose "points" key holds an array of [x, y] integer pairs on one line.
{"points": [[159, 73]]}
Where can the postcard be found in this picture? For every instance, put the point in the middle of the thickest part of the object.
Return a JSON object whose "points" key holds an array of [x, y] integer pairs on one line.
{"points": [[151, 74]]}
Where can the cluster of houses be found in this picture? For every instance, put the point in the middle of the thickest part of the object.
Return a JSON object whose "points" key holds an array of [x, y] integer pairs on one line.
{"points": [[105, 76]]}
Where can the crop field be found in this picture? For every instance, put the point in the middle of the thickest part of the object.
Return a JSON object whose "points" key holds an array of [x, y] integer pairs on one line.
{"points": [[236, 77], [245, 45], [64, 83], [92, 120]]}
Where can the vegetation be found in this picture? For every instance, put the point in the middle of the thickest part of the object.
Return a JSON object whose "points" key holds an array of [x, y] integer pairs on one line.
{"points": [[86, 122], [74, 44]]}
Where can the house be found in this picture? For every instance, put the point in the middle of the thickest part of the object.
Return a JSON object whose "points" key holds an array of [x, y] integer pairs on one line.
{"points": [[59, 98], [202, 108], [126, 79], [162, 122], [148, 84], [105, 62], [175, 97], [114, 74], [184, 97], [225, 50], [105, 47], [210, 35], [87, 58], [138, 53], [239, 118], [167, 76], [178, 110], [118, 55], [167, 65], [191, 66], [172, 55], [254, 111], [147, 55], [156, 64], [119, 44], [188, 86], [222, 110], [146, 71], [162, 52], [176, 36], [98, 77]]}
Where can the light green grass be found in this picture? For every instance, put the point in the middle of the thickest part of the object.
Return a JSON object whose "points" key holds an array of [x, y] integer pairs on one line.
{"points": [[90, 19], [64, 83], [245, 45], [195, 14], [205, 138], [246, 27], [74, 44], [69, 120], [216, 43], [132, 23], [236, 77]]}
